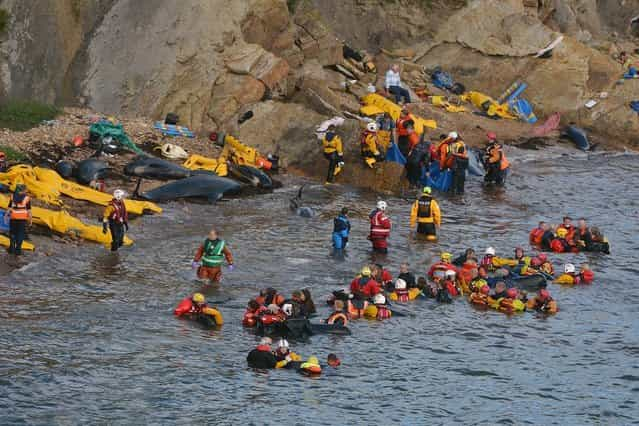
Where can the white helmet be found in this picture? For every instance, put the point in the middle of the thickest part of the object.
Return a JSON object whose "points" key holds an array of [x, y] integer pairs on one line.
{"points": [[288, 309], [371, 127], [400, 284], [453, 135], [382, 205], [569, 268], [118, 194], [273, 308], [450, 273], [379, 299], [282, 343], [490, 251]]}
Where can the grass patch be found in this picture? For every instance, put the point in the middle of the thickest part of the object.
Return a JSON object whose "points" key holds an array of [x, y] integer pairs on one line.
{"points": [[292, 5], [13, 154], [24, 115], [4, 21]]}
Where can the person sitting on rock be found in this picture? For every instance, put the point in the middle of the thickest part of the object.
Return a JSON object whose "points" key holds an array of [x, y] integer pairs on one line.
{"points": [[393, 85]]}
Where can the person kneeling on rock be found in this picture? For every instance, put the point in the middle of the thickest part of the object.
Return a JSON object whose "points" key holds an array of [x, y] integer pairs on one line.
{"points": [[370, 145], [116, 218]]}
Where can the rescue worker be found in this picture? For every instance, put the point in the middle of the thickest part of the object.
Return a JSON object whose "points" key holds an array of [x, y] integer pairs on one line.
{"points": [[404, 121], [582, 236], [546, 265], [496, 163], [441, 293], [19, 214], [369, 144], [522, 260], [380, 228], [418, 159], [196, 304], [333, 152], [209, 257], [117, 219], [311, 367], [450, 283], [537, 233], [570, 276], [569, 227], [469, 254], [378, 310], [385, 130], [262, 357], [439, 269], [445, 149], [341, 230], [382, 276], [586, 274], [269, 296], [560, 244], [499, 291], [492, 262], [253, 311], [364, 286], [459, 167], [487, 260], [478, 282], [284, 356], [425, 212], [333, 361], [542, 302], [599, 241], [508, 302], [547, 236], [406, 275]]}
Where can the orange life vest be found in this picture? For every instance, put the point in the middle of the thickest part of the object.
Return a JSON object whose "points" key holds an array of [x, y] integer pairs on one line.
{"points": [[401, 125], [19, 211]]}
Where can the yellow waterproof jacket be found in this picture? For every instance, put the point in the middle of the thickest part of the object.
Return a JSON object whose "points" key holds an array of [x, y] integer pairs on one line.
{"points": [[334, 145], [413, 293], [371, 144], [566, 279], [217, 316], [283, 363], [435, 214], [500, 262]]}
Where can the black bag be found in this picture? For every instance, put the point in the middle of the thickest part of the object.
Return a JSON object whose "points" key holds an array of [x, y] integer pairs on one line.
{"points": [[172, 118]]}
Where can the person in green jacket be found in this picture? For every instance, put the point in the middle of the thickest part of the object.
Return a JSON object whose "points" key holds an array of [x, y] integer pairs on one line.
{"points": [[210, 256]]}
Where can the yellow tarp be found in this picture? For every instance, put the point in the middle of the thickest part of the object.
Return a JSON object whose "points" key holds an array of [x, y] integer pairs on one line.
{"points": [[441, 101], [488, 105], [47, 185], [63, 223], [199, 162], [4, 241], [383, 104]]}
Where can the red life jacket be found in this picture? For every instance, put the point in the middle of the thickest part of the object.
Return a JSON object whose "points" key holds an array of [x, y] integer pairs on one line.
{"points": [[535, 236], [187, 306], [451, 289], [587, 276], [402, 295], [380, 225], [487, 262], [383, 312], [401, 125], [119, 212], [269, 318], [559, 245]]}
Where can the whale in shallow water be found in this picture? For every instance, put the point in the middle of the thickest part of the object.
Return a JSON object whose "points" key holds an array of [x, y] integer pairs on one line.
{"points": [[295, 205], [204, 186]]}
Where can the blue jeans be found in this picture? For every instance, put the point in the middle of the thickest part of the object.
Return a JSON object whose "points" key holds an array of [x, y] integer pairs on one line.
{"points": [[399, 93]]}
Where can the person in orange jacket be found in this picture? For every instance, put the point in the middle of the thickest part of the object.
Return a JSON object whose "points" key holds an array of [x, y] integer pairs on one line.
{"points": [[542, 302], [196, 304], [19, 214], [405, 122], [496, 162], [445, 151]]}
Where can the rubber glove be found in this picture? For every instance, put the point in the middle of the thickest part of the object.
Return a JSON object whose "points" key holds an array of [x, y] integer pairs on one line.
{"points": [[104, 227], [195, 264], [231, 267]]}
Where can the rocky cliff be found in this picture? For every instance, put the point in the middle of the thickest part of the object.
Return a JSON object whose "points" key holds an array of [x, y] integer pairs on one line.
{"points": [[210, 61]]}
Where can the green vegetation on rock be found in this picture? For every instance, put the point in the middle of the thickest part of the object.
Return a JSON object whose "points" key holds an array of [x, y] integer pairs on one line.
{"points": [[4, 21], [12, 154], [24, 115]]}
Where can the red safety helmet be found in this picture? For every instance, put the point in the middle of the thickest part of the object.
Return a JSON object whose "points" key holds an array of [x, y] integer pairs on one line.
{"points": [[491, 136], [542, 257], [511, 293], [536, 262], [485, 289], [544, 294]]}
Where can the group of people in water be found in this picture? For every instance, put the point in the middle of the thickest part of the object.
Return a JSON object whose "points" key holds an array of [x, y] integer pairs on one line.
{"points": [[565, 237]]}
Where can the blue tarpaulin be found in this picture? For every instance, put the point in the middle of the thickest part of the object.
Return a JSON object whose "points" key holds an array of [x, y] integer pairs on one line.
{"points": [[437, 179], [394, 154], [635, 106]]}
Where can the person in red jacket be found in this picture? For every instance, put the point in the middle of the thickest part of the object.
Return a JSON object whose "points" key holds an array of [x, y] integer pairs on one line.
{"points": [[569, 227], [380, 228], [450, 283], [537, 233], [586, 274], [438, 270], [382, 276], [191, 305], [364, 286]]}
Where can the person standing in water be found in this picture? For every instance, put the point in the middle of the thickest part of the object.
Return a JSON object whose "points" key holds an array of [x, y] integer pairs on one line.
{"points": [[19, 216], [116, 218], [209, 257], [341, 229]]}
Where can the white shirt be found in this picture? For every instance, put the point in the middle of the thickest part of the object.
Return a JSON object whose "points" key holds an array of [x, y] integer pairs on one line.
{"points": [[392, 79]]}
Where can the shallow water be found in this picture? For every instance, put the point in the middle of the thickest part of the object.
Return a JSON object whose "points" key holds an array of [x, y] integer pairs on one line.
{"points": [[89, 337]]}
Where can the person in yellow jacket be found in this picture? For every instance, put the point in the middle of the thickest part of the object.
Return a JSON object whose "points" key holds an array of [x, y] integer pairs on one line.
{"points": [[370, 145], [284, 355], [426, 214], [569, 277], [334, 153]]}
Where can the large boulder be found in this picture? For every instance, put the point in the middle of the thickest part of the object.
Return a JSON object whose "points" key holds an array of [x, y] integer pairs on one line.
{"points": [[252, 59], [316, 40], [268, 23]]}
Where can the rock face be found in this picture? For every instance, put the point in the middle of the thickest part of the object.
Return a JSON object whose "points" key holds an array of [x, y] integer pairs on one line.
{"points": [[211, 61]]}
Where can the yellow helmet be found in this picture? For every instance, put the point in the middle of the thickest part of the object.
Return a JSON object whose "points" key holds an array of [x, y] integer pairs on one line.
{"points": [[366, 271], [562, 232], [446, 256], [427, 190], [313, 360], [198, 298]]}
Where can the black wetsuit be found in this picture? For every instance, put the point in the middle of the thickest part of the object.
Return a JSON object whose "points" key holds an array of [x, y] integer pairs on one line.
{"points": [[409, 277], [261, 359], [459, 174], [418, 158], [546, 239]]}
